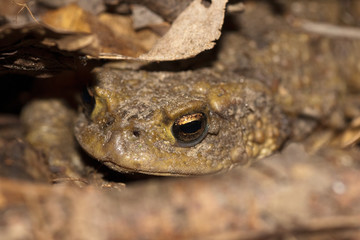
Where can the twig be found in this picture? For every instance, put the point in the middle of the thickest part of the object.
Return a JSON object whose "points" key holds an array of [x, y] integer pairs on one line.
{"points": [[329, 29], [25, 5], [70, 179]]}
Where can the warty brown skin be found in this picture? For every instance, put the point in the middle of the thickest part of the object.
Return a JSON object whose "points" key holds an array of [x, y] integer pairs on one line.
{"points": [[130, 125]]}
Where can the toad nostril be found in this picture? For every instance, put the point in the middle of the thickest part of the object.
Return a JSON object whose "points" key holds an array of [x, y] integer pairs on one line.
{"points": [[136, 133]]}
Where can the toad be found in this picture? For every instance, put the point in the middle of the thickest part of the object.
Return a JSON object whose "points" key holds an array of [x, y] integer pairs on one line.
{"points": [[186, 123]]}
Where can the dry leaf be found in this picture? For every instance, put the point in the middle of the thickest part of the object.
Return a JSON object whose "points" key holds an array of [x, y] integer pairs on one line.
{"points": [[123, 26], [195, 30], [108, 33], [74, 32], [144, 17], [70, 18]]}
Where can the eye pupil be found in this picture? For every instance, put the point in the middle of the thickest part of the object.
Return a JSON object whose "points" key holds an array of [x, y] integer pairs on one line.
{"points": [[190, 129]]}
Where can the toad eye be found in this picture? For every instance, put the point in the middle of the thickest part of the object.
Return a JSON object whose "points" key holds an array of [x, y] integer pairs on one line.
{"points": [[190, 129], [88, 101]]}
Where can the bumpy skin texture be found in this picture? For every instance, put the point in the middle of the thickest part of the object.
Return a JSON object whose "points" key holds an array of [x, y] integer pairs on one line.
{"points": [[129, 128]]}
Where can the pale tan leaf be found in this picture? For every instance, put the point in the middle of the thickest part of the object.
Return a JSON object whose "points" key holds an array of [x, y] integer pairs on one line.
{"points": [[195, 30]]}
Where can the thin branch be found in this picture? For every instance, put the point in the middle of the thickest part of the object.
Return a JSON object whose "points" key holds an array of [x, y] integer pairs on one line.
{"points": [[328, 29], [25, 5]]}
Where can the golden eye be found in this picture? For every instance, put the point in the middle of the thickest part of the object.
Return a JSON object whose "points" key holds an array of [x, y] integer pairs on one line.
{"points": [[190, 129]]}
